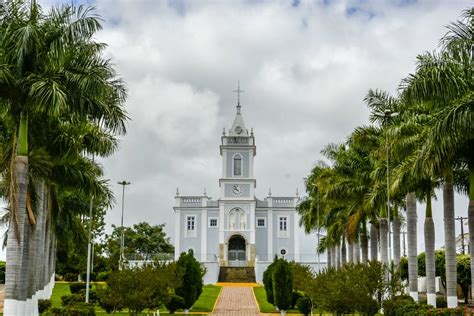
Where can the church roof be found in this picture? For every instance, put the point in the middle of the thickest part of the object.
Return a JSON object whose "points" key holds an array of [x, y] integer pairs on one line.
{"points": [[238, 127]]}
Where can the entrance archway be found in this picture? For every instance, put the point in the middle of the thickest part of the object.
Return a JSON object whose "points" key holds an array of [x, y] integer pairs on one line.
{"points": [[237, 253]]}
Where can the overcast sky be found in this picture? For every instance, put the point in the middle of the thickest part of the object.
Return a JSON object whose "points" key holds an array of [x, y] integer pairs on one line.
{"points": [[305, 67]]}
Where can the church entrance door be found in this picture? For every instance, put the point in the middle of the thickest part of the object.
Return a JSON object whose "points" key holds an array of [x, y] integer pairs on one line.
{"points": [[237, 247]]}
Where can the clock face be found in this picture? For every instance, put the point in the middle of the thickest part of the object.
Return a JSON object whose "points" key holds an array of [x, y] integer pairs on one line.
{"points": [[237, 189], [238, 130]]}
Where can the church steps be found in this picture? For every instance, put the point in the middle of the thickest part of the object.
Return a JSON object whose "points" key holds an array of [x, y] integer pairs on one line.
{"points": [[237, 274]]}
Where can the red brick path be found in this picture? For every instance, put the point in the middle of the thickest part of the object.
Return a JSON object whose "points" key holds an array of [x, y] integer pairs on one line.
{"points": [[238, 301]]}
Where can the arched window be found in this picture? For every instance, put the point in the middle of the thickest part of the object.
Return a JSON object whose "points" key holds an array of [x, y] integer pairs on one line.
{"points": [[237, 165]]}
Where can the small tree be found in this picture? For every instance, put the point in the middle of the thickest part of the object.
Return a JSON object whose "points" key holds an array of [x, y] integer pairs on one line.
{"points": [[191, 273], [267, 281], [282, 281]]}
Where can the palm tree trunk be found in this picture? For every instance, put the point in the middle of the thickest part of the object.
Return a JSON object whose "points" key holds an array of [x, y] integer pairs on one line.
{"points": [[15, 288], [373, 242], [364, 243], [350, 252], [430, 254], [329, 256], [343, 252], [470, 215], [337, 255], [450, 241], [396, 237], [384, 241], [356, 251], [412, 246]]}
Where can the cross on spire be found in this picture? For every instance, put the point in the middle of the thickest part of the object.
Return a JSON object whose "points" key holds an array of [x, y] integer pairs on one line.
{"points": [[238, 91]]}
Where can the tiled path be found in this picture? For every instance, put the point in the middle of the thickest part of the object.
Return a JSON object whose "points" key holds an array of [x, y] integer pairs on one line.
{"points": [[238, 301]]}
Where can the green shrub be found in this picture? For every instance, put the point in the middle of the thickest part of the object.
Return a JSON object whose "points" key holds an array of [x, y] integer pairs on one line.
{"points": [[392, 306], [192, 274], [72, 299], [349, 289], [295, 297], [175, 302], [43, 305], [70, 277], [92, 295], [2, 272], [93, 276], [140, 288], [267, 281], [102, 276], [282, 281], [304, 305], [78, 309], [109, 302], [441, 302], [76, 287]]}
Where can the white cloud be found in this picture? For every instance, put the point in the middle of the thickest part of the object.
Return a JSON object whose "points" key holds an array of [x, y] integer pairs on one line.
{"points": [[305, 71]]}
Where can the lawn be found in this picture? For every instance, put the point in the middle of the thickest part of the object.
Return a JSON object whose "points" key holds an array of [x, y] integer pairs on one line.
{"points": [[208, 299], [205, 303], [264, 306]]}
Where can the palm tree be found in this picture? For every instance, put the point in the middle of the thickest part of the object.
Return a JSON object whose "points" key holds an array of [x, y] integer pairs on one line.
{"points": [[49, 66], [444, 82]]}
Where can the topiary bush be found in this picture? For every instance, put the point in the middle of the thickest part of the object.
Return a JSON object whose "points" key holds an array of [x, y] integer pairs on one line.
{"points": [[76, 287], [92, 295], [191, 273], [175, 302], [282, 281], [103, 276], [304, 305], [70, 277], [267, 281], [43, 305], [71, 299]]}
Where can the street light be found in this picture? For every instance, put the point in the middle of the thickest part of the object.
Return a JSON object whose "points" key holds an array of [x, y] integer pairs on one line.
{"points": [[387, 115], [89, 246], [123, 184]]}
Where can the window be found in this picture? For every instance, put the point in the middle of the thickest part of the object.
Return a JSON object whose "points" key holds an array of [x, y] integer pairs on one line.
{"points": [[261, 222], [283, 226], [213, 222], [237, 165], [191, 226]]}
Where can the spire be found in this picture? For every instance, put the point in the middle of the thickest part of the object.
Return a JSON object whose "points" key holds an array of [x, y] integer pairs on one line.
{"points": [[238, 91], [238, 127]]}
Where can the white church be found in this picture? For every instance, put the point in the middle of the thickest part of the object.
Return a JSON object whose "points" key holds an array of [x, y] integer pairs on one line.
{"points": [[237, 229]]}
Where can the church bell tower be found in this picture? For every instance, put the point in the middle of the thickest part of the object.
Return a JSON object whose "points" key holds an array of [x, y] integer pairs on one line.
{"points": [[237, 199]]}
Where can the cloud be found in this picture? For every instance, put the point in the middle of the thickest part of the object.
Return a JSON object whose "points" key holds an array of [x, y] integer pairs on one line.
{"points": [[305, 67]]}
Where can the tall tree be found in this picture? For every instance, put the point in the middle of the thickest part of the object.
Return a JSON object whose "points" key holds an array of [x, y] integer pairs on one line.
{"points": [[50, 68]]}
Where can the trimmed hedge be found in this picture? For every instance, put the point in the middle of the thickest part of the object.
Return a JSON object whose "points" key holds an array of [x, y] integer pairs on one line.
{"points": [[76, 287], [78, 309]]}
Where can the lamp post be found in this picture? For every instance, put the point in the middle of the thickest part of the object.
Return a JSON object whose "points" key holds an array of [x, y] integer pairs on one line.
{"points": [[123, 184], [89, 247], [387, 115]]}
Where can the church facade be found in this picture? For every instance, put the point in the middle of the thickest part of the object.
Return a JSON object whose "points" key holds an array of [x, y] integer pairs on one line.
{"points": [[237, 229]]}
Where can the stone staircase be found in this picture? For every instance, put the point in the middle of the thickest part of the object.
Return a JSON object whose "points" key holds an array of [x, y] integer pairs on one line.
{"points": [[237, 274]]}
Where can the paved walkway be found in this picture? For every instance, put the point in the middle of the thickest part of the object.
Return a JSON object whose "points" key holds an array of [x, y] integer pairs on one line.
{"points": [[238, 301]]}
